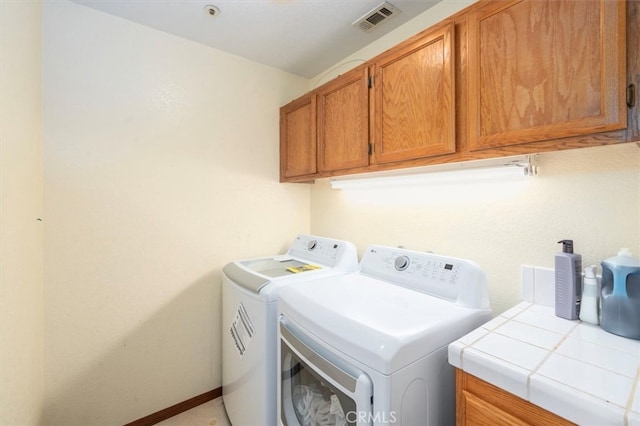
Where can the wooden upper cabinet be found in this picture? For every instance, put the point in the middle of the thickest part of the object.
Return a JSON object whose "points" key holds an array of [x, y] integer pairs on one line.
{"points": [[298, 138], [544, 70], [498, 78], [343, 122], [414, 98]]}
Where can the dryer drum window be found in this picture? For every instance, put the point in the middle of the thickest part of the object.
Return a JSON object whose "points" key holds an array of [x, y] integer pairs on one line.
{"points": [[309, 397]]}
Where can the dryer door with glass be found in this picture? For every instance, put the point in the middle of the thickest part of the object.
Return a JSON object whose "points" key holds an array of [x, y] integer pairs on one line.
{"points": [[317, 386]]}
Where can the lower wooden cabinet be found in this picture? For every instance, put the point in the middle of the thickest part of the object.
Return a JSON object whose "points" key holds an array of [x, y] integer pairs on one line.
{"points": [[481, 403]]}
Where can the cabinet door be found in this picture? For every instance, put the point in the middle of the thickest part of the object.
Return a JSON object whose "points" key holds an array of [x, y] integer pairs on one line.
{"points": [[481, 403], [343, 122], [544, 69], [298, 138], [414, 98]]}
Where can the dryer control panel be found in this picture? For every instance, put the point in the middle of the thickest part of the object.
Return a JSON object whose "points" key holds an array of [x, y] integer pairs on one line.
{"points": [[458, 280]]}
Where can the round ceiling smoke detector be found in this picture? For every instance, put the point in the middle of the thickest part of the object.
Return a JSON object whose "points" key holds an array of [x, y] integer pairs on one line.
{"points": [[211, 10]]}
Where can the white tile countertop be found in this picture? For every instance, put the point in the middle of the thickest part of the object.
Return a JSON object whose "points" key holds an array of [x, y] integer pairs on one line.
{"points": [[573, 369]]}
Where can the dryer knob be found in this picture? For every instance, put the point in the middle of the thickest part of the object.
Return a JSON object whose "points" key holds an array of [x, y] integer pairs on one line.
{"points": [[312, 244], [402, 263]]}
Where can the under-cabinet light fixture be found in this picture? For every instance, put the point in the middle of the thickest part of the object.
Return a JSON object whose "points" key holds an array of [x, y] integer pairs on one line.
{"points": [[494, 170]]}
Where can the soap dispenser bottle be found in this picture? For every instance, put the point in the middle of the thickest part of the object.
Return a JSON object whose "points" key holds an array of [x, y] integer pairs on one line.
{"points": [[590, 295], [568, 274]]}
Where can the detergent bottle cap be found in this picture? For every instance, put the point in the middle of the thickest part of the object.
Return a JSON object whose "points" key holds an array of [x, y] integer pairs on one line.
{"points": [[624, 252], [590, 272], [624, 258]]}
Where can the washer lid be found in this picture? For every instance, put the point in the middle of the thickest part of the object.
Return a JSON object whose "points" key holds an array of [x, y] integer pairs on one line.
{"points": [[253, 274], [309, 257], [384, 326]]}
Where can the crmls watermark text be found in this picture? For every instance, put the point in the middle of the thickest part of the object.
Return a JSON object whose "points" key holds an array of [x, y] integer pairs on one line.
{"points": [[367, 417]]}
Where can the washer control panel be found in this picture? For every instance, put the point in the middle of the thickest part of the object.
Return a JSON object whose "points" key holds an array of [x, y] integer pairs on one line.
{"points": [[324, 251], [445, 277]]}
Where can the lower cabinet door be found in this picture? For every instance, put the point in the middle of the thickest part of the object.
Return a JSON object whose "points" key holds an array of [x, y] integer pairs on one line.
{"points": [[479, 403]]}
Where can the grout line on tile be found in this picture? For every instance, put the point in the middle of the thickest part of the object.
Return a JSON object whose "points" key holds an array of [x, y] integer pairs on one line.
{"points": [[551, 352], [467, 346], [534, 301], [540, 328], [584, 361], [506, 361], [527, 342], [526, 308], [599, 343], [490, 330], [528, 282], [634, 390], [582, 391]]}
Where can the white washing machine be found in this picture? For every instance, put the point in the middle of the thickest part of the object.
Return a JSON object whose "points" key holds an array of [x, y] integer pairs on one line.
{"points": [[249, 318], [371, 347]]}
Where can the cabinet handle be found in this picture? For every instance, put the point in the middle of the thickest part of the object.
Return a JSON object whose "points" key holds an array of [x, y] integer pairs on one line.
{"points": [[631, 95]]}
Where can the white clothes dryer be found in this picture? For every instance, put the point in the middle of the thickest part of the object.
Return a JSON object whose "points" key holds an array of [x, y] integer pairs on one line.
{"points": [[371, 347], [249, 319]]}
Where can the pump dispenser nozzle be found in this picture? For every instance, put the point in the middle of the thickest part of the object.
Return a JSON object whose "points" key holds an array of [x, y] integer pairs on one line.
{"points": [[567, 246]]}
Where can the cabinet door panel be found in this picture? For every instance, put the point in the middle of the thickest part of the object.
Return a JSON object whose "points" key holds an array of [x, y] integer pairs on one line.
{"points": [[414, 109], [481, 413], [298, 138], [481, 403], [545, 69], [343, 122]]}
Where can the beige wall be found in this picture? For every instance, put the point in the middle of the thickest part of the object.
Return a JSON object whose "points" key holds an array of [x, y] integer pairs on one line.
{"points": [[21, 332], [161, 165], [590, 195], [149, 192]]}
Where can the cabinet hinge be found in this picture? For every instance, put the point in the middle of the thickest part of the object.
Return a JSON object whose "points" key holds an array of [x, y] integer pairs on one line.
{"points": [[631, 95], [370, 82], [370, 149]]}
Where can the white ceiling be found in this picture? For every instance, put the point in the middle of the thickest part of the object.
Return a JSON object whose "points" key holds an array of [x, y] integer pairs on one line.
{"points": [[304, 37]]}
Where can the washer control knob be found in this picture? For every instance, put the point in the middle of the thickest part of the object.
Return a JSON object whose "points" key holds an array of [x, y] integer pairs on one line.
{"points": [[312, 244], [402, 263]]}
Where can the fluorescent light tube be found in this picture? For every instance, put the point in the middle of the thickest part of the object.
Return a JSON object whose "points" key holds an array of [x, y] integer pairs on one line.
{"points": [[473, 172]]}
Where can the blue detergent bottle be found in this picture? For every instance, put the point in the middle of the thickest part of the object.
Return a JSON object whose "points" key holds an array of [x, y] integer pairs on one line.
{"points": [[620, 295]]}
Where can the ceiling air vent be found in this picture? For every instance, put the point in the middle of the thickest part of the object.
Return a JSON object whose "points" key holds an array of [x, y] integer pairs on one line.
{"points": [[375, 17]]}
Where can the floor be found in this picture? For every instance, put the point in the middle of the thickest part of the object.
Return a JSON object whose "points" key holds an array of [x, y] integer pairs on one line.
{"points": [[208, 414]]}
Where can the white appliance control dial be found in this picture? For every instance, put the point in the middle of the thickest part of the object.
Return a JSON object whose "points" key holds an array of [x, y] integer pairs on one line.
{"points": [[322, 251], [455, 279], [402, 262]]}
